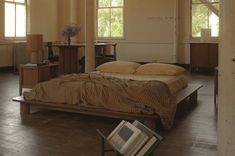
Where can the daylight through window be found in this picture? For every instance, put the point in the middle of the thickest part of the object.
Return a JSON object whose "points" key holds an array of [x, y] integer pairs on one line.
{"points": [[15, 18], [110, 18], [205, 15]]}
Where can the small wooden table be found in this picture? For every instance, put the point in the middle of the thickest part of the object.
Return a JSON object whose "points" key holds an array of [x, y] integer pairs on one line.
{"points": [[30, 75], [68, 57]]}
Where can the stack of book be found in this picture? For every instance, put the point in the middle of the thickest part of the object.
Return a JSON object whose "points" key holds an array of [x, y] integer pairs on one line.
{"points": [[133, 139]]}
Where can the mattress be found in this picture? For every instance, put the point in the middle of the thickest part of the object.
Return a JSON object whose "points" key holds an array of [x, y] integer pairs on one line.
{"points": [[174, 83]]}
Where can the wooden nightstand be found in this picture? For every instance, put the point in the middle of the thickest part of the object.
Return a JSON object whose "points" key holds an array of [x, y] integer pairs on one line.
{"points": [[203, 55], [31, 75]]}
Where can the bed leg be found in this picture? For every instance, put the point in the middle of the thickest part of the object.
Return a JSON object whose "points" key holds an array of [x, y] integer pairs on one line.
{"points": [[24, 109], [151, 124], [193, 98]]}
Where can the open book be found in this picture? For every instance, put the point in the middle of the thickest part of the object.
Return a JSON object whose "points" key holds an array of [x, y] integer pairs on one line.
{"points": [[126, 137], [130, 139]]}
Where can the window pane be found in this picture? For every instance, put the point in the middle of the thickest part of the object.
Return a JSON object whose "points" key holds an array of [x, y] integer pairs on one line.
{"points": [[20, 1], [9, 0], [9, 20], [103, 23], [199, 19], [214, 22], [116, 22], [116, 3], [20, 21], [104, 3]]}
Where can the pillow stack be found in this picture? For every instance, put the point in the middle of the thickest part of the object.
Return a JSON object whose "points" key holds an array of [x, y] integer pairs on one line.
{"points": [[125, 67]]}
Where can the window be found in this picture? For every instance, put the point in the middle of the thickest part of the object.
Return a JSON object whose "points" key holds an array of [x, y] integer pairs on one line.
{"points": [[15, 18], [110, 19], [205, 15]]}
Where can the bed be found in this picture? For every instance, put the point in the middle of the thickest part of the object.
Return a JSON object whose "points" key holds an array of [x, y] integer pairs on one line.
{"points": [[176, 86]]}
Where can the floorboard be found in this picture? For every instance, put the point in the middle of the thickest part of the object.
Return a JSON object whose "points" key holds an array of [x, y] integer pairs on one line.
{"points": [[58, 133]]}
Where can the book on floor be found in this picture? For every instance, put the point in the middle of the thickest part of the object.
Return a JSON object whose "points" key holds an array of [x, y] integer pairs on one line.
{"points": [[133, 139], [126, 137]]}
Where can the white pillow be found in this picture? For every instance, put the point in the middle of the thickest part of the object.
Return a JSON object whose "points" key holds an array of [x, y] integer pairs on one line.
{"points": [[123, 67], [159, 69]]}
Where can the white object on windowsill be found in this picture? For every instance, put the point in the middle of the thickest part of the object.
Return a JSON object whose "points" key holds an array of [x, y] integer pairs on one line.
{"points": [[206, 35]]}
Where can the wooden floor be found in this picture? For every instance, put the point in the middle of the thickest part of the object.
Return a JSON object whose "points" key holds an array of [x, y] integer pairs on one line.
{"points": [[51, 133]]}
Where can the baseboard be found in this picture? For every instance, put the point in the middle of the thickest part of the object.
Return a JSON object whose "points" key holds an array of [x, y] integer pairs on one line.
{"points": [[6, 69]]}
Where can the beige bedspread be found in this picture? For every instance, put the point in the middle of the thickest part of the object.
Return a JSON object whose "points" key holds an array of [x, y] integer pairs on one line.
{"points": [[92, 90]]}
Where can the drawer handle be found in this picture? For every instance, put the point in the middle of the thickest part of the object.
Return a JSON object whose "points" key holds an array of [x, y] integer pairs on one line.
{"points": [[233, 59]]}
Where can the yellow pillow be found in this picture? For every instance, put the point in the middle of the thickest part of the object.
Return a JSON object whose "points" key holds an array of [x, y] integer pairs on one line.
{"points": [[123, 67], [159, 69]]}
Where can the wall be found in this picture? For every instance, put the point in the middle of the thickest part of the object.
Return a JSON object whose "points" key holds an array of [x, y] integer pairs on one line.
{"points": [[6, 55], [149, 31], [72, 14], [44, 18], [64, 15]]}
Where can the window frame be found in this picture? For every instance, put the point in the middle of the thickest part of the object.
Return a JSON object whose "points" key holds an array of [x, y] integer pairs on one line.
{"points": [[96, 24], [191, 18], [15, 38]]}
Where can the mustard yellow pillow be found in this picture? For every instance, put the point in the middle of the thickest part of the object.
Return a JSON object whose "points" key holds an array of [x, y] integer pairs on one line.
{"points": [[123, 67], [159, 69]]}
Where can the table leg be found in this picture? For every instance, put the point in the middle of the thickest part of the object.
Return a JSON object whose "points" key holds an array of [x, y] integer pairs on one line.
{"points": [[24, 109]]}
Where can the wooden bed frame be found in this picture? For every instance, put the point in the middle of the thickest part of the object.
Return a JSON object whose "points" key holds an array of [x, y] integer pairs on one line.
{"points": [[149, 120]]}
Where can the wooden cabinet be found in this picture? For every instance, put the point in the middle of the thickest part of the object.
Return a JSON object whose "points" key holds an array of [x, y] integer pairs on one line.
{"points": [[68, 57], [203, 55], [31, 75], [104, 52]]}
